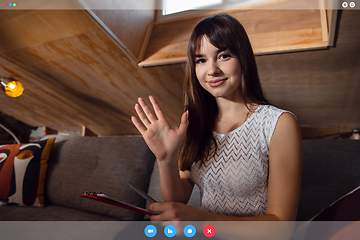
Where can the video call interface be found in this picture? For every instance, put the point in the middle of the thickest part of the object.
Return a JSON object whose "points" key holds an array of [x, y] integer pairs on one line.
{"points": [[297, 230]]}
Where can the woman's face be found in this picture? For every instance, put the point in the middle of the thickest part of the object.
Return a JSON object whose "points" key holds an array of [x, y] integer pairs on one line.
{"points": [[218, 71]]}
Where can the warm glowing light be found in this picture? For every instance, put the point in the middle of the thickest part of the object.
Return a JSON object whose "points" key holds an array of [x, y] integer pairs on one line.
{"points": [[12, 88]]}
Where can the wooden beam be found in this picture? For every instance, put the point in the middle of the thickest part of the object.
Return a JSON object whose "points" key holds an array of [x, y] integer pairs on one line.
{"points": [[49, 131], [127, 27], [332, 22], [129, 55], [87, 132]]}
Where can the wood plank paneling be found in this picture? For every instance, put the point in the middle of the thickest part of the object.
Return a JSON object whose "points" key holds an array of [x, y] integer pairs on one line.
{"points": [[269, 32], [24, 28], [129, 26], [88, 81]]}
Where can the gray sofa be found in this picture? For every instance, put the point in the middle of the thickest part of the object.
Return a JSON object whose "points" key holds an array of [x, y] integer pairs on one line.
{"points": [[103, 164]]}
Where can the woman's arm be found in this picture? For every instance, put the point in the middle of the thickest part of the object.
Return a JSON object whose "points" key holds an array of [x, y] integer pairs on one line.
{"points": [[175, 211], [285, 165], [164, 142], [175, 185]]}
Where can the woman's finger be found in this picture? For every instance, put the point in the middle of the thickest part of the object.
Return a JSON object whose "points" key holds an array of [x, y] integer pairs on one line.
{"points": [[149, 114], [170, 211], [161, 208], [156, 207], [159, 113], [142, 115], [183, 124], [138, 125], [155, 218]]}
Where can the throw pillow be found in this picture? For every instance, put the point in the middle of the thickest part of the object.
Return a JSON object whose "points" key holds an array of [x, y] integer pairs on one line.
{"points": [[23, 170]]}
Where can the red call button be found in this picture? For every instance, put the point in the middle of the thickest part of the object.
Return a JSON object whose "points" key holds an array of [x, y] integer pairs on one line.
{"points": [[209, 231]]}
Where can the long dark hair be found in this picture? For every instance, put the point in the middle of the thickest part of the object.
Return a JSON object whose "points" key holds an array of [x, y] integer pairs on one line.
{"points": [[224, 32]]}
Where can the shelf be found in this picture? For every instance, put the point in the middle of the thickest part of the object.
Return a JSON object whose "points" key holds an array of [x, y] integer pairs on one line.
{"points": [[270, 32]]}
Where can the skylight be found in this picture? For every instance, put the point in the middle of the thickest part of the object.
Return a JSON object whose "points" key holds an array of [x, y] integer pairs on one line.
{"points": [[175, 6]]}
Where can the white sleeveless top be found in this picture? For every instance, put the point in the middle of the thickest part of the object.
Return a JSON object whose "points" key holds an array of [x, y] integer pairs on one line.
{"points": [[234, 182]]}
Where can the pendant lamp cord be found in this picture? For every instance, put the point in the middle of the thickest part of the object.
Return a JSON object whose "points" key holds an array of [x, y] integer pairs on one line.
{"points": [[7, 130]]}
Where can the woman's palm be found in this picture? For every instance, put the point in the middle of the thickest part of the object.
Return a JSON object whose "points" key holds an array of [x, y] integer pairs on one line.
{"points": [[163, 140]]}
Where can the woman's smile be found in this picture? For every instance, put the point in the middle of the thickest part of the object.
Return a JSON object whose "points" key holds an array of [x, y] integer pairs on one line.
{"points": [[216, 83]]}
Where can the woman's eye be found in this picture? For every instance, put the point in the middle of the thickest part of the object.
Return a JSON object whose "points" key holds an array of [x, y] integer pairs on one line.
{"points": [[200, 61], [225, 56]]}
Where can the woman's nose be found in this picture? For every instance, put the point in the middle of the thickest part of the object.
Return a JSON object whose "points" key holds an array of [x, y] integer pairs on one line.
{"points": [[213, 69]]}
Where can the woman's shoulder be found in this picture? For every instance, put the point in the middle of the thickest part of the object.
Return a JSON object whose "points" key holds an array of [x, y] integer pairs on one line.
{"points": [[270, 112], [271, 108], [268, 117]]}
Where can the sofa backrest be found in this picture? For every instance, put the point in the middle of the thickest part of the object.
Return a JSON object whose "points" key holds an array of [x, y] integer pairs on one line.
{"points": [[331, 169], [77, 164], [99, 164]]}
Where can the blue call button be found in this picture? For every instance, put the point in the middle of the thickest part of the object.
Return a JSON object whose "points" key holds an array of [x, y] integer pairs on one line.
{"points": [[170, 231], [150, 231], [189, 231]]}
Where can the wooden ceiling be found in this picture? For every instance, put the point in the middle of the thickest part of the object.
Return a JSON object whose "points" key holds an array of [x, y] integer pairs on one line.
{"points": [[76, 74]]}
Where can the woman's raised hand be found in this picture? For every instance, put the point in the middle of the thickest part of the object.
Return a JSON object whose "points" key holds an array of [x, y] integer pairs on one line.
{"points": [[163, 140]]}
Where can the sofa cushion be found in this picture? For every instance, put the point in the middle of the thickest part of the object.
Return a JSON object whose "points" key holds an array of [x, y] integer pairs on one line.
{"points": [[99, 164], [49, 213], [23, 169]]}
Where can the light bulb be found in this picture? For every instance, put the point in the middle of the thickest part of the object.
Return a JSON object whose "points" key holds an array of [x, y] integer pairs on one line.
{"points": [[12, 88]]}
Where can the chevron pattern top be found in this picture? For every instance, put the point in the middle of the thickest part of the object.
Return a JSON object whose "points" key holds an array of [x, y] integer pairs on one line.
{"points": [[234, 182]]}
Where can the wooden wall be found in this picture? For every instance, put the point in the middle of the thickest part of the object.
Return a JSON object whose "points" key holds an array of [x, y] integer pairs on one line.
{"points": [[320, 87], [76, 75]]}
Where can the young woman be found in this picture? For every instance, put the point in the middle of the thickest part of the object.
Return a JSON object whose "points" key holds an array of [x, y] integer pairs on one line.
{"points": [[243, 153]]}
